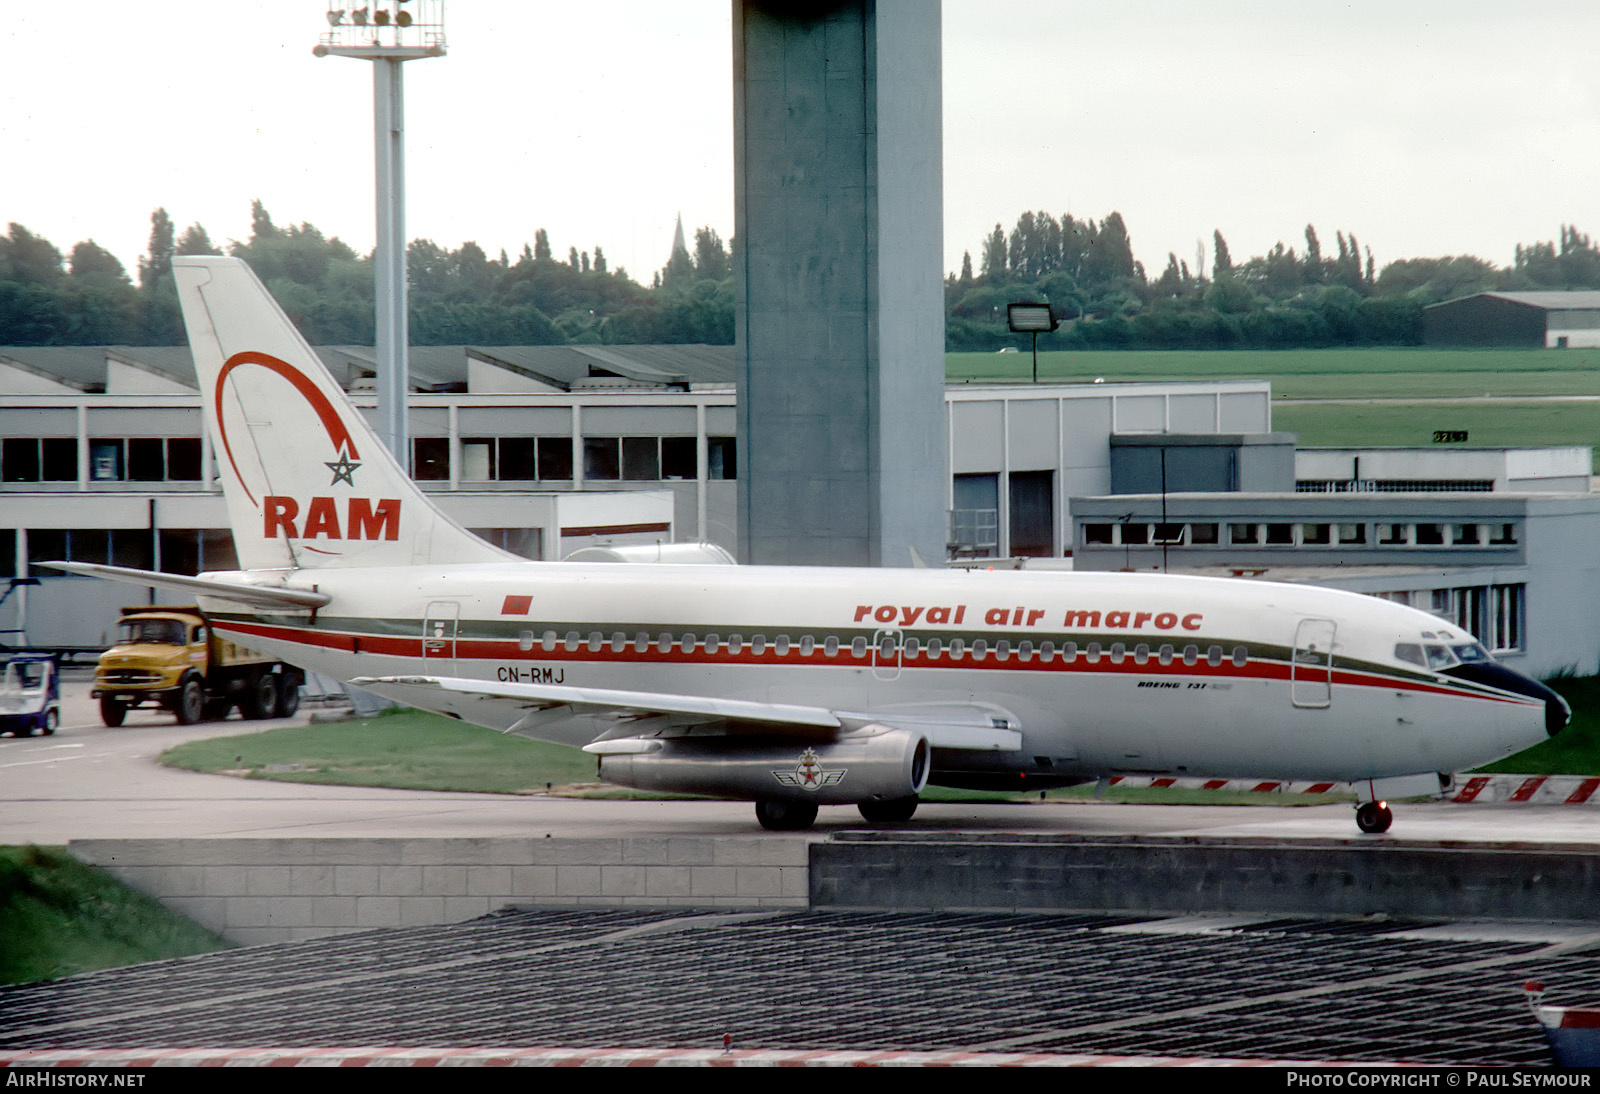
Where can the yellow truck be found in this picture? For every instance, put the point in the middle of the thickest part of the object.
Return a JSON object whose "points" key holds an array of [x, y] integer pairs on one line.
{"points": [[171, 658]]}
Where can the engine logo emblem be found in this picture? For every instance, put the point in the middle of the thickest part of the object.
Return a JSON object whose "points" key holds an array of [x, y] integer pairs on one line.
{"points": [[809, 775]]}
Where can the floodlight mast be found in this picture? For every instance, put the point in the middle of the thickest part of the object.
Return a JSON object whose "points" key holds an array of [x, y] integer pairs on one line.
{"points": [[1026, 317], [388, 33]]}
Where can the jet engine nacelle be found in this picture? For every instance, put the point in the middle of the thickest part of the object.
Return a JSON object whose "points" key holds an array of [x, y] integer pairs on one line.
{"points": [[876, 763]]}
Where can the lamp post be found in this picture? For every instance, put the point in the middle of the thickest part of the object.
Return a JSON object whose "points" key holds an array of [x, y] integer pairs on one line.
{"points": [[1029, 318], [388, 33]]}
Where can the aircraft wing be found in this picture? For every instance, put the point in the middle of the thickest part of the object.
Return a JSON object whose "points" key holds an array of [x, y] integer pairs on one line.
{"points": [[608, 719], [259, 596]]}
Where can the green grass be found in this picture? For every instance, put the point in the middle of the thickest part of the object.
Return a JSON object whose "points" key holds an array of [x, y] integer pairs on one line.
{"points": [[1382, 374], [1487, 424], [59, 917], [1357, 367], [409, 749]]}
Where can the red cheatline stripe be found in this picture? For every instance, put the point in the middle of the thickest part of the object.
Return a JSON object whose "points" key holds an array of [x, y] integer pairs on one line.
{"points": [[503, 651], [1526, 790], [1583, 791]]}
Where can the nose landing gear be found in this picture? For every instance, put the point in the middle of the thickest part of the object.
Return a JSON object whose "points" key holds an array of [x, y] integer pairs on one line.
{"points": [[1374, 817]]}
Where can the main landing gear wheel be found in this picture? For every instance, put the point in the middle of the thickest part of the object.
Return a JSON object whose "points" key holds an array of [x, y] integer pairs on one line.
{"points": [[889, 812], [784, 816], [1373, 817]]}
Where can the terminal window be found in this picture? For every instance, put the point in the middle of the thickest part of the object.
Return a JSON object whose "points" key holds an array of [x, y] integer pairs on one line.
{"points": [[39, 459]]}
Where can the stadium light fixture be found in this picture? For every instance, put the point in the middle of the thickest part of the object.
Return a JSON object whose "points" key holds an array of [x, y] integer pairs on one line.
{"points": [[1027, 317]]}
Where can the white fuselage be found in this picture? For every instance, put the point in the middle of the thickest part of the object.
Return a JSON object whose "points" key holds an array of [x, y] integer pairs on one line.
{"points": [[1102, 673]]}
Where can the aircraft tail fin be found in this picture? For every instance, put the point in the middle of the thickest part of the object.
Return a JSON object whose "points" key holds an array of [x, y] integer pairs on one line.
{"points": [[308, 483]]}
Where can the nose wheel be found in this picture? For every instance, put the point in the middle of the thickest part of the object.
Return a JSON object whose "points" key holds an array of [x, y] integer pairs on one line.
{"points": [[1374, 817]]}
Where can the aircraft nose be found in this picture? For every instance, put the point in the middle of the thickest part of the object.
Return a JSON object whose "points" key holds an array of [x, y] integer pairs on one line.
{"points": [[1556, 714], [1556, 711]]}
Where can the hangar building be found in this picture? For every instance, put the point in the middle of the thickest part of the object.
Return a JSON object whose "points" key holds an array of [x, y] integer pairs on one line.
{"points": [[1534, 320]]}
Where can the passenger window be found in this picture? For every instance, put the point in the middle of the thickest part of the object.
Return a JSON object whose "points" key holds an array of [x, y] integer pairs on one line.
{"points": [[858, 646], [781, 645], [935, 647], [1092, 652], [1069, 652], [979, 649], [641, 642], [1024, 651], [912, 647], [1191, 655], [688, 643], [525, 641], [664, 643], [1165, 656], [807, 645], [1047, 652], [1214, 656], [619, 642], [957, 648], [712, 642], [596, 640], [549, 640], [830, 647], [1141, 654], [1241, 657], [1118, 652], [758, 645], [735, 643], [573, 639]]}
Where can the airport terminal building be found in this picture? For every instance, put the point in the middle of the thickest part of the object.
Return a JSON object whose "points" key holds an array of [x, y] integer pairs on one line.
{"points": [[539, 449]]}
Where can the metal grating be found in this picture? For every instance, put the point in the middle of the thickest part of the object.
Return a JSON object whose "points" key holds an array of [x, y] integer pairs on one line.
{"points": [[1301, 989]]}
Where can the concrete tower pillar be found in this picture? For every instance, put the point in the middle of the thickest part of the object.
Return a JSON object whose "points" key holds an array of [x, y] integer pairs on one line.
{"points": [[838, 215]]}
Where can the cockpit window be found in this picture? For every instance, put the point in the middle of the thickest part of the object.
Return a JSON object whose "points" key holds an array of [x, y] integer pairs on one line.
{"points": [[1409, 651], [1471, 653], [1439, 657]]}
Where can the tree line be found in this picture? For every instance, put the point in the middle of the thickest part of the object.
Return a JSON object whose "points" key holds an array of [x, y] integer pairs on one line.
{"points": [[1289, 297], [1286, 298], [460, 296]]}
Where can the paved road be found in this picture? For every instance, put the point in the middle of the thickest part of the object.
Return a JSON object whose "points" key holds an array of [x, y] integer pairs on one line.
{"points": [[89, 782]]}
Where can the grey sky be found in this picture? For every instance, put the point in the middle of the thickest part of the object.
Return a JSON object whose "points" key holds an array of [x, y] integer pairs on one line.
{"points": [[1424, 127]]}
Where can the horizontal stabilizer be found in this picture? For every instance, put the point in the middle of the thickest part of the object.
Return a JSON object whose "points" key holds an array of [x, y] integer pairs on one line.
{"points": [[261, 596]]}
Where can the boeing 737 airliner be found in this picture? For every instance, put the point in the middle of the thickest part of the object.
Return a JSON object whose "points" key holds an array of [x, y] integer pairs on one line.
{"points": [[797, 687]]}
